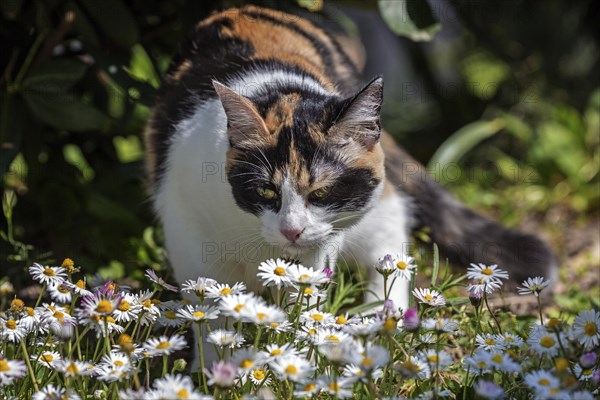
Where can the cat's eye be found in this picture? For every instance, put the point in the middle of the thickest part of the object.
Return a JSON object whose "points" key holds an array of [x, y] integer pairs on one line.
{"points": [[321, 193], [266, 193]]}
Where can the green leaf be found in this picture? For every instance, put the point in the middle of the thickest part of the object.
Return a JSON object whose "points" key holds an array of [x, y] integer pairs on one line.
{"points": [[114, 20], [411, 18], [457, 301], [58, 74], [363, 308], [464, 140], [65, 111], [141, 67]]}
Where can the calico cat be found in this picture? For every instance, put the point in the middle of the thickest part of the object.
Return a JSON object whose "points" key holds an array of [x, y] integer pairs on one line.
{"points": [[265, 141]]}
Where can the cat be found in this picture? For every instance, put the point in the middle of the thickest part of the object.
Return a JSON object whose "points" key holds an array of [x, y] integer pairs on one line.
{"points": [[264, 141]]}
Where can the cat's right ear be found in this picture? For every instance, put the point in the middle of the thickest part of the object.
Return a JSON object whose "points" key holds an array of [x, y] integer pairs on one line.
{"points": [[245, 126]]}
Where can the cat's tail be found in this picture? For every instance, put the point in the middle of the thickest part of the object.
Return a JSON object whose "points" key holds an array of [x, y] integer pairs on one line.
{"points": [[462, 235]]}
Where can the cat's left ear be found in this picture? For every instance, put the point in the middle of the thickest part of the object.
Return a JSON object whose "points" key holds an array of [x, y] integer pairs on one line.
{"points": [[359, 119]]}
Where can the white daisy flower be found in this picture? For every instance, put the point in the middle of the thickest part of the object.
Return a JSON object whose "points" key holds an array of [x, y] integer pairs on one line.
{"points": [[302, 276], [294, 368], [437, 360], [130, 394], [274, 350], [222, 374], [414, 367], [373, 357], [220, 290], [75, 368], [234, 305], [586, 328], [116, 360], [11, 370], [102, 325], [489, 342], [198, 313], [479, 286], [262, 314], [327, 335], [128, 309], [151, 275], [51, 392], [60, 292], [429, 297], [47, 358], [385, 265], [508, 340], [306, 390], [78, 287], [248, 359], [541, 380], [367, 326], [582, 395], [308, 294], [338, 387], [440, 324], [176, 387], [164, 345], [149, 311], [533, 286], [479, 363], [279, 327], [224, 338], [12, 330], [317, 318], [544, 342], [198, 286], [47, 275], [340, 352], [57, 319], [356, 373], [31, 320], [487, 273], [274, 273], [583, 374], [170, 318], [100, 304], [503, 362], [259, 377], [488, 390], [404, 266]]}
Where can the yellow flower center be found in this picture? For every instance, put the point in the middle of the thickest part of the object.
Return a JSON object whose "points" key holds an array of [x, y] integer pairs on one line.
{"points": [[49, 271], [62, 289], [225, 291], [308, 291], [309, 388], [390, 324], [11, 324], [198, 314], [171, 315], [147, 303], [274, 325], [80, 284], [332, 338], [246, 363], [30, 311], [279, 271], [17, 305], [51, 308], [312, 331], [155, 301], [401, 265], [4, 367], [303, 277], [428, 297], [238, 307], [490, 341], [72, 369], [497, 358], [317, 317], [259, 374], [482, 364], [119, 363], [590, 329], [104, 306], [367, 361], [110, 320], [261, 316], [124, 305], [334, 386], [487, 271], [544, 382], [570, 380], [586, 372], [59, 315], [47, 357], [124, 339], [183, 394], [67, 263], [554, 323], [341, 320], [163, 345], [291, 370], [561, 364], [410, 366], [432, 358], [547, 342], [553, 390], [508, 339]]}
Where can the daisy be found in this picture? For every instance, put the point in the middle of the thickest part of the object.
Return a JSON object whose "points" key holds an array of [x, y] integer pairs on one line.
{"points": [[533, 286], [274, 273], [198, 286], [259, 376], [341, 353], [198, 313], [279, 327], [60, 292], [509, 340], [234, 304], [224, 338], [116, 360], [385, 265], [316, 317], [248, 359], [356, 373], [479, 286], [437, 360], [164, 345], [329, 335], [170, 318], [440, 324], [149, 311], [31, 320], [74, 368], [404, 266], [488, 390], [413, 367], [78, 287], [127, 309], [489, 342], [583, 374], [51, 392], [175, 387], [586, 328], [582, 395], [222, 374], [294, 368], [47, 275], [299, 275], [541, 380], [340, 388], [151, 275], [542, 341], [366, 327], [12, 330], [479, 363], [262, 314], [11, 370], [503, 362], [373, 357], [99, 304], [487, 273], [307, 390], [274, 350], [47, 358], [308, 294], [220, 290], [429, 297]]}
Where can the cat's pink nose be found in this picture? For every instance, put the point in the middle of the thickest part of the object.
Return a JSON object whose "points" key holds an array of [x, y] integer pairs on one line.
{"points": [[291, 234]]}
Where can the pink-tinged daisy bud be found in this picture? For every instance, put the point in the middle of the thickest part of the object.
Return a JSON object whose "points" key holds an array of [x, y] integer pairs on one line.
{"points": [[475, 295], [588, 360], [411, 319], [388, 305], [222, 374], [328, 272], [596, 377]]}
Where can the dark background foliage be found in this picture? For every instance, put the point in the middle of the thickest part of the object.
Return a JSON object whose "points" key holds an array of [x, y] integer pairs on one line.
{"points": [[502, 87]]}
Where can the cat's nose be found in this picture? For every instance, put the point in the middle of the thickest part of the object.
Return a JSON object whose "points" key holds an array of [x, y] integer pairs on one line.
{"points": [[291, 234]]}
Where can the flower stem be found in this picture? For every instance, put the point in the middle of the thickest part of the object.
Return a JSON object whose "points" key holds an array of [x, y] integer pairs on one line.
{"points": [[201, 355], [31, 373]]}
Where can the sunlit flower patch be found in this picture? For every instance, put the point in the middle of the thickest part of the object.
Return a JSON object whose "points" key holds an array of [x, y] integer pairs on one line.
{"points": [[299, 338]]}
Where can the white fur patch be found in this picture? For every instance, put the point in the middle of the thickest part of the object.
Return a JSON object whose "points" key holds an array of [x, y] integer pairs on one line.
{"points": [[261, 81]]}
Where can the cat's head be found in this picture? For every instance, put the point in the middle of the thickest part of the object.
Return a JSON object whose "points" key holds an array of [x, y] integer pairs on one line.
{"points": [[308, 164]]}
